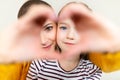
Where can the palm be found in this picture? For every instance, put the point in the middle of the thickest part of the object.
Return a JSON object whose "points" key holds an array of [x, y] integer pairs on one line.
{"points": [[22, 40]]}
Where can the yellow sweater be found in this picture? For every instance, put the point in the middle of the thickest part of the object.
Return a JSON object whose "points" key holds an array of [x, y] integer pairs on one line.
{"points": [[16, 71], [108, 62]]}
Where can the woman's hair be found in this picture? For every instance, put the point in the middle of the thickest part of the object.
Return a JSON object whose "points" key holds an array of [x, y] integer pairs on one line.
{"points": [[25, 7]]}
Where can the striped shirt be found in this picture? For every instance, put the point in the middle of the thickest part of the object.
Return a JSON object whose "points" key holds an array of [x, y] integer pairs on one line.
{"points": [[51, 70]]}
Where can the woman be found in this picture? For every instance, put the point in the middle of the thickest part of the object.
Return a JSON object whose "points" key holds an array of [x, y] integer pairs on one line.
{"points": [[28, 28], [23, 39]]}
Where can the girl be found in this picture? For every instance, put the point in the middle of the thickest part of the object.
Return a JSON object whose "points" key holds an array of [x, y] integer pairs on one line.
{"points": [[70, 33]]}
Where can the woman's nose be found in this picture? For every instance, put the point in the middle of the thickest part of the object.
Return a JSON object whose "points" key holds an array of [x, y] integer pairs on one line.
{"points": [[43, 39]]}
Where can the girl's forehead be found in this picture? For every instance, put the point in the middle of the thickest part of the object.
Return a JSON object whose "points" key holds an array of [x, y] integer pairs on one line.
{"points": [[71, 4], [65, 9]]}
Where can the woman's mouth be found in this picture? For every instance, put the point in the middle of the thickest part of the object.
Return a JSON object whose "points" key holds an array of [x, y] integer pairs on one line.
{"points": [[47, 46]]}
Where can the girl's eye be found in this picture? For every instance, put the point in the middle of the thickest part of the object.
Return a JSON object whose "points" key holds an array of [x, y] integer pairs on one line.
{"points": [[63, 28], [48, 28]]}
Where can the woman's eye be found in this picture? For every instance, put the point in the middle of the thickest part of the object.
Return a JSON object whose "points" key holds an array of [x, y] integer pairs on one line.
{"points": [[63, 28], [48, 28]]}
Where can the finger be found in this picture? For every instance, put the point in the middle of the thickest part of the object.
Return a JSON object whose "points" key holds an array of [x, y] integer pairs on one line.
{"points": [[28, 56], [40, 14], [79, 14], [74, 9], [107, 32], [49, 55], [82, 15]]}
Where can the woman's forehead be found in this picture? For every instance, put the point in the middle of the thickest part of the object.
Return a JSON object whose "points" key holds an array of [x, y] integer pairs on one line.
{"points": [[40, 6]]}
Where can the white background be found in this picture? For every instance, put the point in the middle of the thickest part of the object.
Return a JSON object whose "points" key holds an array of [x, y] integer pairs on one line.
{"points": [[109, 8]]}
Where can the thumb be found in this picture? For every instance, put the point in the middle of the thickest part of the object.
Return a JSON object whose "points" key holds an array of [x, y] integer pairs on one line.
{"points": [[75, 10], [38, 16]]}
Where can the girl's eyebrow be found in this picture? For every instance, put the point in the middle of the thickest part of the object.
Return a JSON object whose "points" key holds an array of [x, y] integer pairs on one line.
{"points": [[63, 23]]}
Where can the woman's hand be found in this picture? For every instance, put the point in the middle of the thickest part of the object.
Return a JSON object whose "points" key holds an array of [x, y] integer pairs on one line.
{"points": [[21, 41]]}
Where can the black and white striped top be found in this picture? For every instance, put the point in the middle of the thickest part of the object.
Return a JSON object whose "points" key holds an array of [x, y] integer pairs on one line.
{"points": [[51, 70]]}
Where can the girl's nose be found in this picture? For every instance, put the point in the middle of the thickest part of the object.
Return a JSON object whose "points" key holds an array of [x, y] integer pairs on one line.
{"points": [[71, 34]]}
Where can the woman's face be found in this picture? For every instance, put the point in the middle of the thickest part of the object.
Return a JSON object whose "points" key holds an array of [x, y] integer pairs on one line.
{"points": [[46, 28], [47, 35]]}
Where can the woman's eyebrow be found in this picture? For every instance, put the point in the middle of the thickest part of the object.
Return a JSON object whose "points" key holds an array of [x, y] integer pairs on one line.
{"points": [[47, 24]]}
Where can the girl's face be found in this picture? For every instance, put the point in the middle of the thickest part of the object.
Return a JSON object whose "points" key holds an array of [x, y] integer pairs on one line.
{"points": [[67, 35], [74, 35]]}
